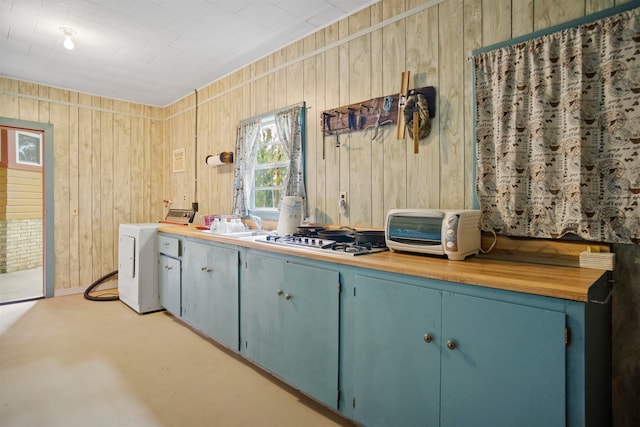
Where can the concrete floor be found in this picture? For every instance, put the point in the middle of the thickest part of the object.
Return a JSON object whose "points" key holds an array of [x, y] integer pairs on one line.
{"points": [[21, 285], [67, 361]]}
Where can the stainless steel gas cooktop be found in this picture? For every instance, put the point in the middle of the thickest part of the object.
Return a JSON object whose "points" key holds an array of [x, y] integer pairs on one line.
{"points": [[316, 244]]}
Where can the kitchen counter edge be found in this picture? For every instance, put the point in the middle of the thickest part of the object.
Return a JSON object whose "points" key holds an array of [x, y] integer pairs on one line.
{"points": [[569, 283]]}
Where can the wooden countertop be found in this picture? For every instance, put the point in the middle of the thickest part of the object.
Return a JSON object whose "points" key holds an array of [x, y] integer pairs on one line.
{"points": [[547, 280]]}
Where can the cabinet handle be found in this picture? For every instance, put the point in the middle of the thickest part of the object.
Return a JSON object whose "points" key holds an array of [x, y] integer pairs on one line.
{"points": [[279, 292], [427, 338], [287, 297], [451, 345], [206, 269], [168, 267]]}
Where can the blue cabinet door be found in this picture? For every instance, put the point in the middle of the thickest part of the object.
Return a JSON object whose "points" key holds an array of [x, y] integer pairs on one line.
{"points": [[289, 323], [169, 284], [210, 291], [504, 366], [261, 315], [310, 330], [397, 344]]}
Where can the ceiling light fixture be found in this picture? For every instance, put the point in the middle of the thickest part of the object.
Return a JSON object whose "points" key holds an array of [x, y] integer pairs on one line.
{"points": [[68, 33]]}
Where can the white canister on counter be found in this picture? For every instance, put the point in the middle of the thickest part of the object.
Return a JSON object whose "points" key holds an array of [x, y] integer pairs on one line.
{"points": [[290, 215]]}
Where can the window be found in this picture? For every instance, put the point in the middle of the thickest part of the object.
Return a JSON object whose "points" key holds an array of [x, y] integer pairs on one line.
{"points": [[28, 148], [270, 162], [20, 149], [270, 170]]}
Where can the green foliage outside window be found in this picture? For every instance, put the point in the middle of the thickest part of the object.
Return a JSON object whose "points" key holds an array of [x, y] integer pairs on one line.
{"points": [[271, 169]]}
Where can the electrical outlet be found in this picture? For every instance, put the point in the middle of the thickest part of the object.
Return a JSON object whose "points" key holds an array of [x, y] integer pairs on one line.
{"points": [[342, 204]]}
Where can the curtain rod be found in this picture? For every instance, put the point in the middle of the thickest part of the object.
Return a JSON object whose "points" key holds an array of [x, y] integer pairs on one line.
{"points": [[573, 23], [271, 113]]}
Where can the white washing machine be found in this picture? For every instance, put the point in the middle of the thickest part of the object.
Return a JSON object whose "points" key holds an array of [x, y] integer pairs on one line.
{"points": [[138, 266]]}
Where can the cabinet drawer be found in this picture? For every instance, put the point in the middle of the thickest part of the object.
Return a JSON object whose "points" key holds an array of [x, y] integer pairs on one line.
{"points": [[169, 246]]}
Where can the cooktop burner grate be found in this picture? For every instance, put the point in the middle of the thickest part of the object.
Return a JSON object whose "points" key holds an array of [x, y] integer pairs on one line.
{"points": [[358, 248], [323, 245]]}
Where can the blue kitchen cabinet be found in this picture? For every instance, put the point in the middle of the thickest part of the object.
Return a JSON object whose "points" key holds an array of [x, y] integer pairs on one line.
{"points": [[170, 274], [170, 284], [210, 291], [426, 356], [396, 354], [261, 311], [503, 364], [290, 322], [391, 349]]}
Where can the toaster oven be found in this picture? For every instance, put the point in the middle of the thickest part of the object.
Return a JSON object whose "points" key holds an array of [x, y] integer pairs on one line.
{"points": [[451, 233]]}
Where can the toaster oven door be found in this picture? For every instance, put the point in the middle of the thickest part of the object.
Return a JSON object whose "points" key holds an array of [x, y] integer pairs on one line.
{"points": [[415, 230]]}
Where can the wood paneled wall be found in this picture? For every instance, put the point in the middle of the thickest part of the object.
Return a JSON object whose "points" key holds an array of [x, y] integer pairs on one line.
{"points": [[353, 60], [108, 169]]}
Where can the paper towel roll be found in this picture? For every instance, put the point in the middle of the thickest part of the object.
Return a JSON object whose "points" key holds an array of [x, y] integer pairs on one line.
{"points": [[290, 215], [224, 158]]}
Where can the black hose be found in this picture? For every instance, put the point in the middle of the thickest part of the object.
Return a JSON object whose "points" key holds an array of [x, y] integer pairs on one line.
{"points": [[95, 284]]}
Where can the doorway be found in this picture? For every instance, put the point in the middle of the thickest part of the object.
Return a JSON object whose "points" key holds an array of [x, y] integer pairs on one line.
{"points": [[26, 198]]}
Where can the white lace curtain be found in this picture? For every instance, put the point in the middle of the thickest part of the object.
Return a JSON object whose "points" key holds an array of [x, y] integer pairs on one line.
{"points": [[246, 146], [289, 127], [558, 133]]}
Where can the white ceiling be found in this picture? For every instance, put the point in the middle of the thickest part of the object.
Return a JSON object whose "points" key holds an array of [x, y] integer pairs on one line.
{"points": [[151, 51]]}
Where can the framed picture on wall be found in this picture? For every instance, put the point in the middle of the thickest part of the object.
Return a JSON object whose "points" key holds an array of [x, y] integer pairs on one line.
{"points": [[178, 160], [28, 148]]}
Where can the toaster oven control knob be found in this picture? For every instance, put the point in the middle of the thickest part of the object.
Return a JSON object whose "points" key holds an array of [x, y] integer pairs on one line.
{"points": [[450, 232], [451, 245], [451, 220]]}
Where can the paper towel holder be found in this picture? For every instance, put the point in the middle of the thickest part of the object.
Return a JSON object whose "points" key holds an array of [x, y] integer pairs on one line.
{"points": [[224, 158]]}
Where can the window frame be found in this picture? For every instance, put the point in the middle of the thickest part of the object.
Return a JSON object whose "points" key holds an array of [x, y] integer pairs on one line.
{"points": [[265, 213], [10, 149], [247, 129]]}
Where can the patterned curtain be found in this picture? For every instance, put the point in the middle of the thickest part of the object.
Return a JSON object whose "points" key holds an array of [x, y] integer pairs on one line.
{"points": [[246, 147], [558, 133], [289, 130]]}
